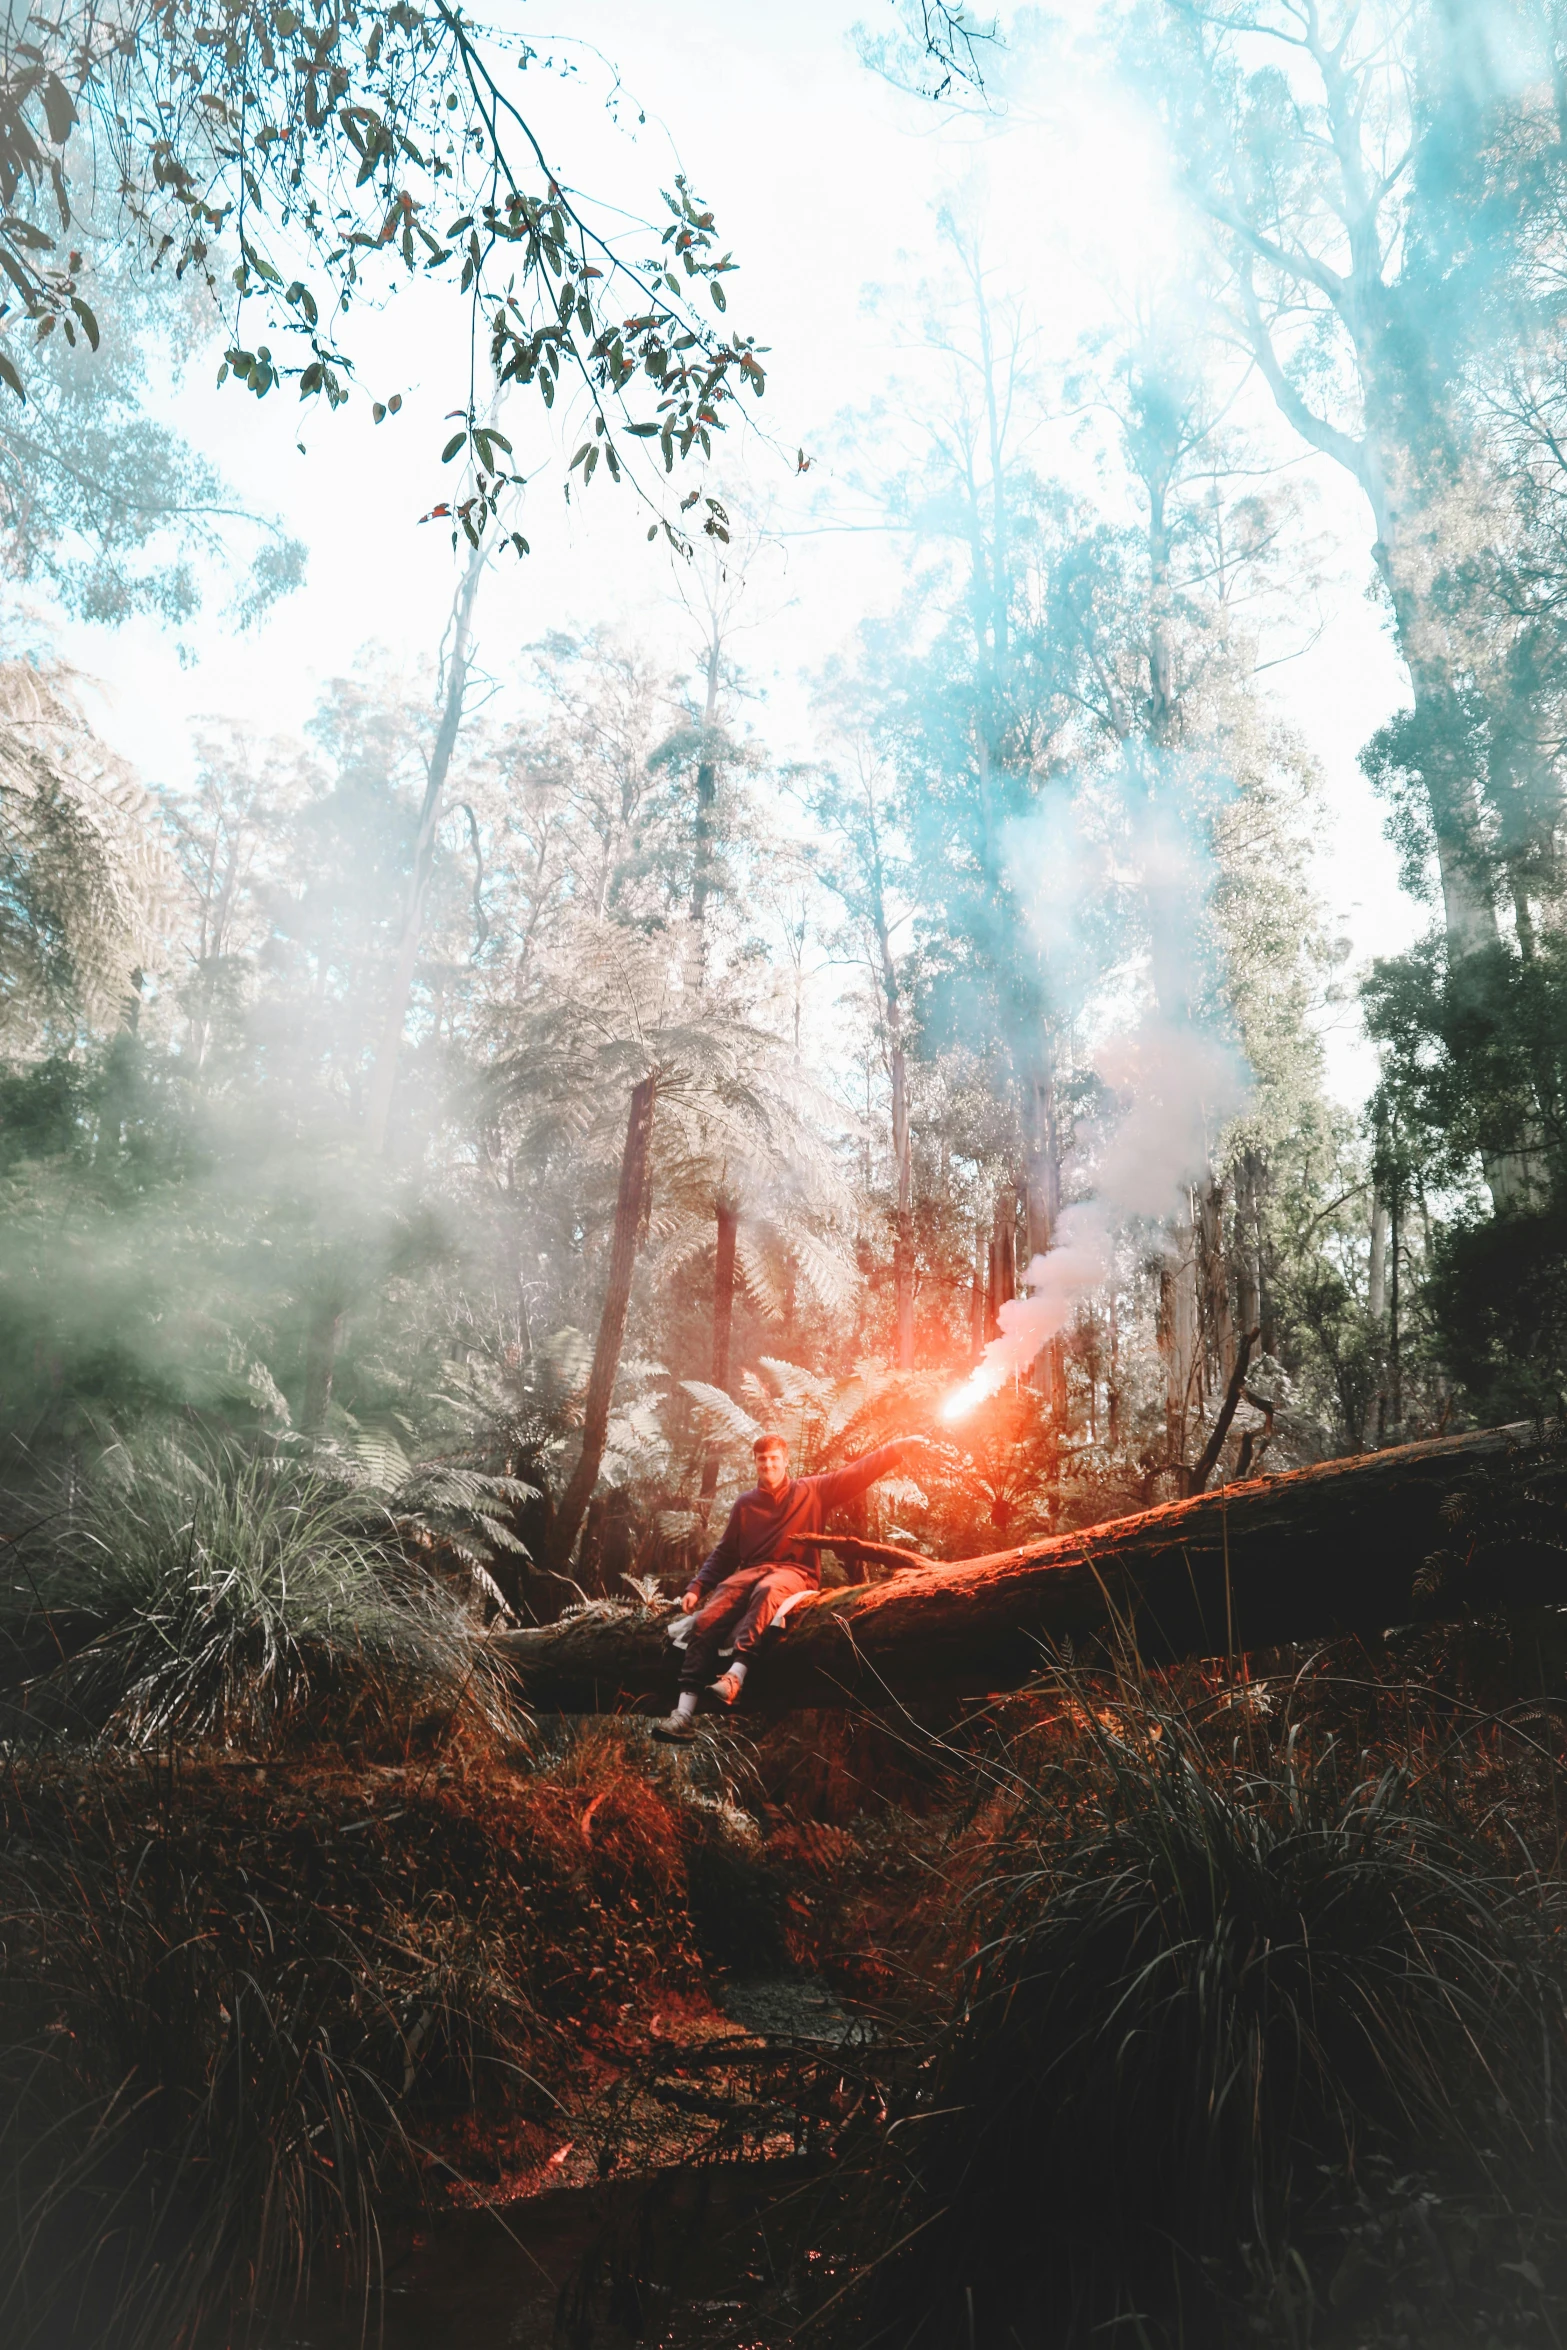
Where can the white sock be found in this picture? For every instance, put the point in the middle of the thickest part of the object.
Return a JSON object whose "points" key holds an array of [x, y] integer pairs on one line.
{"points": [[737, 1667], [685, 1705]]}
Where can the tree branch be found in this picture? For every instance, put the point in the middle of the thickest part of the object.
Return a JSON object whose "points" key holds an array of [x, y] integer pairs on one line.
{"points": [[1334, 443], [1203, 1467]]}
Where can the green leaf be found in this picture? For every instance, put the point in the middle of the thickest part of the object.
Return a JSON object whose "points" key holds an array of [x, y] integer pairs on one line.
{"points": [[89, 323], [58, 109], [262, 268], [453, 445], [643, 432], [8, 375], [720, 299]]}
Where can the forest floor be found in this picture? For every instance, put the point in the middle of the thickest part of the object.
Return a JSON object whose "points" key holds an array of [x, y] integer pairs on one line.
{"points": [[635, 2007], [665, 2202], [585, 1969]]}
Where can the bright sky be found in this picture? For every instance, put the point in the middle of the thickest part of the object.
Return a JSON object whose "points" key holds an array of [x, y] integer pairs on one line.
{"points": [[824, 182]]}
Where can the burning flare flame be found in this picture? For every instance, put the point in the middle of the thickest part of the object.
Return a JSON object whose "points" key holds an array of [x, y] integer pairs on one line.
{"points": [[976, 1389]]}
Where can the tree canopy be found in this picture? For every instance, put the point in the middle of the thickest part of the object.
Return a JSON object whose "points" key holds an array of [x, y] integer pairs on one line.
{"points": [[294, 158]]}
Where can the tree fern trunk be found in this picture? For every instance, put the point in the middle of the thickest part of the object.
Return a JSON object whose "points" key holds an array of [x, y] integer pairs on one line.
{"points": [[723, 1323], [612, 1323]]}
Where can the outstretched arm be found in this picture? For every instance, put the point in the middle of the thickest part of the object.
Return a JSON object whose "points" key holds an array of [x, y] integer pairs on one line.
{"points": [[855, 1477]]}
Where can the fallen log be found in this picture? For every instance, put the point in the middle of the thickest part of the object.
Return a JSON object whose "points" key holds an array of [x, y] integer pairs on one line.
{"points": [[1335, 1549]]}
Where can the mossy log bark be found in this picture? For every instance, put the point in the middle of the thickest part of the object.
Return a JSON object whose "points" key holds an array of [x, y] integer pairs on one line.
{"points": [[1320, 1553]]}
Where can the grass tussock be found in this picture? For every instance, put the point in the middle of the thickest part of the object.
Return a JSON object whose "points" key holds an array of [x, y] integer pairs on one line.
{"points": [[235, 1600], [249, 2017], [1204, 2012], [1210, 1974]]}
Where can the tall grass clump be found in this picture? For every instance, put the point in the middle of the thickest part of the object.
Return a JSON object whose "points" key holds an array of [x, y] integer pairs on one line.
{"points": [[1199, 1987], [257, 2018], [211, 2077], [233, 1599]]}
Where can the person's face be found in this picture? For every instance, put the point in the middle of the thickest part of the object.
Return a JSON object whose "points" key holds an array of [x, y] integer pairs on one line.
{"points": [[772, 1467]]}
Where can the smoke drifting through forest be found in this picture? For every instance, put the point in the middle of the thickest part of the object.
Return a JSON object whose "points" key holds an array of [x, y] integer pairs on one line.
{"points": [[432, 1147], [342, 1166], [1118, 882]]}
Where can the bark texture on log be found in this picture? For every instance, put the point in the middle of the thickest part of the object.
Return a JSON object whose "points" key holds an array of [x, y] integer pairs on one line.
{"points": [[1313, 1555]]}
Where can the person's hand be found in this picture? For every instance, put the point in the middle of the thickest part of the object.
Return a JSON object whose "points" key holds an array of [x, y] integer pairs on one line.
{"points": [[920, 1443], [692, 1602]]}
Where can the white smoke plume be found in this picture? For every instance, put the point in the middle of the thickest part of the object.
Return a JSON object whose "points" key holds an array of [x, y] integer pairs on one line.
{"points": [[1125, 867]]}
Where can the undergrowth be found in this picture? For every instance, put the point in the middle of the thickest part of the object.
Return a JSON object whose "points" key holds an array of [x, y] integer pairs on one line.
{"points": [[1218, 1980], [249, 2016], [231, 1599], [1203, 2011]]}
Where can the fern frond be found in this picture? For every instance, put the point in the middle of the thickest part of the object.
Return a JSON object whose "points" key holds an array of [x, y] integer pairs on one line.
{"points": [[721, 1418]]}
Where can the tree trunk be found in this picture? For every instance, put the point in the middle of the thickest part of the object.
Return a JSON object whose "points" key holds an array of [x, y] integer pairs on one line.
{"points": [[1248, 1239], [321, 1336], [903, 1288], [903, 1160], [1394, 1340], [612, 1324], [1001, 1270], [1213, 1274], [1453, 794], [723, 1322], [1178, 1334], [1042, 1202], [1376, 1281], [1113, 1383], [1320, 1554], [902, 1144], [978, 1294], [1161, 664], [702, 818], [383, 1076]]}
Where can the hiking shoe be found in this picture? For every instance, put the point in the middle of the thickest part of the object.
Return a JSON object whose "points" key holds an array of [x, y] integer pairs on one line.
{"points": [[726, 1690], [677, 1729]]}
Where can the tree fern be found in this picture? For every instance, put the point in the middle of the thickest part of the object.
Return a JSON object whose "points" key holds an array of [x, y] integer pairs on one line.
{"points": [[87, 889]]}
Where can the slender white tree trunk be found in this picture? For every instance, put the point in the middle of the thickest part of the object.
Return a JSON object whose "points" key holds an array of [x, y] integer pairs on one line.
{"points": [[383, 1076]]}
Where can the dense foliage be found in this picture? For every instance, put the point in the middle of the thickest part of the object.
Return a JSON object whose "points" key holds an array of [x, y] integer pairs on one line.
{"points": [[435, 1143]]}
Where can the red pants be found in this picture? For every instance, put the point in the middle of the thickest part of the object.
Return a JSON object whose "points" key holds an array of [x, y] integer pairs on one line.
{"points": [[747, 1600]]}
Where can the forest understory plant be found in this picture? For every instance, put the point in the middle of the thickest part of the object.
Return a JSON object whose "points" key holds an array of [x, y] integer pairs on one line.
{"points": [[1235, 1989], [254, 2021], [168, 1595]]}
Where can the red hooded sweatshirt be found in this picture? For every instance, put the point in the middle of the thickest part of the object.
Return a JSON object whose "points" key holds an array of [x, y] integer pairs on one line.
{"points": [[764, 1527]]}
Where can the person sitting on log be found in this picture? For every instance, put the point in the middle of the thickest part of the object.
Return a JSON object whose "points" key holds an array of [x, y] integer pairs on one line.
{"points": [[756, 1566]]}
